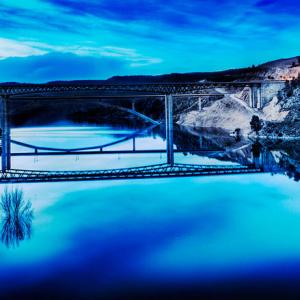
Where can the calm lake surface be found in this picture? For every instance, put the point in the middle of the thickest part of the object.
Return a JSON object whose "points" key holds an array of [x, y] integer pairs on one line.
{"points": [[153, 237]]}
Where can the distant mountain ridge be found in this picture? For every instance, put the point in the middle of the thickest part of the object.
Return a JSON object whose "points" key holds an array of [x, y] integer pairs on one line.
{"points": [[281, 69]]}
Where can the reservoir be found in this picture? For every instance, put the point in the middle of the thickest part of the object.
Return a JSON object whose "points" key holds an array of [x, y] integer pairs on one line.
{"points": [[155, 237]]}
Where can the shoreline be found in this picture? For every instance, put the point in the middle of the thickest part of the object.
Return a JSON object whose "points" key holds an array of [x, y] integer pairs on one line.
{"points": [[267, 137]]}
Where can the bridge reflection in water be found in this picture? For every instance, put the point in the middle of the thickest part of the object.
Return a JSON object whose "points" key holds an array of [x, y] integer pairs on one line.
{"points": [[167, 169]]}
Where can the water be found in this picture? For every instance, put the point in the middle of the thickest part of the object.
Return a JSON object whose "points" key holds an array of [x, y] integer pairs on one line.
{"points": [[151, 238]]}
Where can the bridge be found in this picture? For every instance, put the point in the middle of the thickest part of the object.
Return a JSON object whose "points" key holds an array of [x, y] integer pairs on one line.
{"points": [[258, 90], [153, 171], [73, 91], [153, 88], [101, 148]]}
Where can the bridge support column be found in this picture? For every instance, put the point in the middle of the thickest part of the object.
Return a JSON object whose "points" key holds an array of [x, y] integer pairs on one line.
{"points": [[200, 104], [259, 97], [201, 141], [133, 105], [5, 135], [251, 104], [256, 100], [169, 128]]}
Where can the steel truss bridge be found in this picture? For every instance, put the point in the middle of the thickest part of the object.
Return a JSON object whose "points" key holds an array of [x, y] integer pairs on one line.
{"points": [[102, 88], [60, 90], [152, 171], [73, 91]]}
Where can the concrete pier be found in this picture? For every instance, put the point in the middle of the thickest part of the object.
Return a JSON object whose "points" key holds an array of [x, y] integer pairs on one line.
{"points": [[169, 128], [199, 103], [255, 97], [5, 139]]}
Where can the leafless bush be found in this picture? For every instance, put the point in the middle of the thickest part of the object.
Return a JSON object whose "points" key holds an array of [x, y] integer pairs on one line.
{"points": [[17, 215]]}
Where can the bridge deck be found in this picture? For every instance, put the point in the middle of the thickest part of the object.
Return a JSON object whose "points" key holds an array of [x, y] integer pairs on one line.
{"points": [[153, 171], [157, 88]]}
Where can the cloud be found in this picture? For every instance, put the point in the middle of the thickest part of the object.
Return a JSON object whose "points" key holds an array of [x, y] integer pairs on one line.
{"points": [[153, 35], [130, 55], [11, 48], [58, 66], [69, 66]]}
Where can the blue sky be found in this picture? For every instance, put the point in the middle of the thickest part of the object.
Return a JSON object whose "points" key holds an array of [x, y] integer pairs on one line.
{"points": [[95, 39]]}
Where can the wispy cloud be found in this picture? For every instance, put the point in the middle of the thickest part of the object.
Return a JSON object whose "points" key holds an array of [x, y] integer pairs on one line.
{"points": [[13, 48], [130, 55], [59, 66], [153, 36]]}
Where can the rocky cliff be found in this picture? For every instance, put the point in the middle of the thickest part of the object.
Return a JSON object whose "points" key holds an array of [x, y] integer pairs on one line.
{"points": [[280, 114], [288, 103]]}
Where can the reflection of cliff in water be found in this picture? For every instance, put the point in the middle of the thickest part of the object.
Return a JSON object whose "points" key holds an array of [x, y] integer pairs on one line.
{"points": [[287, 154], [274, 157], [185, 138], [228, 148]]}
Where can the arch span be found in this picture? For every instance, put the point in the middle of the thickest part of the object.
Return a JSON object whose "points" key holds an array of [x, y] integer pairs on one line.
{"points": [[131, 111], [102, 146]]}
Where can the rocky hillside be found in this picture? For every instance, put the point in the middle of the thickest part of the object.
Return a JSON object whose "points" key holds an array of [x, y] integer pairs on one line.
{"points": [[288, 101], [281, 115], [227, 113], [282, 69]]}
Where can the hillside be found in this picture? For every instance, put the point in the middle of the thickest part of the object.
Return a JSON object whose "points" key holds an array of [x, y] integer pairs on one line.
{"points": [[280, 116], [281, 69]]}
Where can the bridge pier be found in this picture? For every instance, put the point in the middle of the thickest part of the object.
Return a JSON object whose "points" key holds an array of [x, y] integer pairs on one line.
{"points": [[255, 97], [250, 96], [259, 98], [200, 104], [169, 128], [5, 137]]}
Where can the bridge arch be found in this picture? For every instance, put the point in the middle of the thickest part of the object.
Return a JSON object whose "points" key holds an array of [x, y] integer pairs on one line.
{"points": [[100, 147], [131, 111]]}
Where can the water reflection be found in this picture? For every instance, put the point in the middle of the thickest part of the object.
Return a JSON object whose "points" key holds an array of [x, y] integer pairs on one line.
{"points": [[17, 216], [273, 156], [209, 231], [191, 145]]}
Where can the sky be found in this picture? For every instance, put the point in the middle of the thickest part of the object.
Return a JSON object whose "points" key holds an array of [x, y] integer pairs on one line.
{"points": [[44, 40]]}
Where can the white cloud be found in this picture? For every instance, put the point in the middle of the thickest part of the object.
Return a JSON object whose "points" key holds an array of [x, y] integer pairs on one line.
{"points": [[131, 55], [11, 48]]}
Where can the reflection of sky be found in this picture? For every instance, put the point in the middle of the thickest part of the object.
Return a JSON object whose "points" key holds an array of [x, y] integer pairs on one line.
{"points": [[161, 231], [68, 137], [73, 137]]}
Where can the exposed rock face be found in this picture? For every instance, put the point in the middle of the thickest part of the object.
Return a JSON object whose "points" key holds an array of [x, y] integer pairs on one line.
{"points": [[280, 114], [282, 69], [273, 112], [287, 122], [228, 113]]}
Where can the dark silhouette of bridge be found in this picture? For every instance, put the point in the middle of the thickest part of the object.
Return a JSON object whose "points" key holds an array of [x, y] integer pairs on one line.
{"points": [[101, 147], [73, 91], [152, 171], [153, 88]]}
